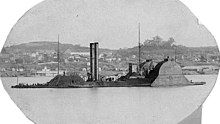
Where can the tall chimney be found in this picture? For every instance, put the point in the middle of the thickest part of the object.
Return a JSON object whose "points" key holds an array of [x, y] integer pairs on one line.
{"points": [[91, 61], [94, 54], [96, 74]]}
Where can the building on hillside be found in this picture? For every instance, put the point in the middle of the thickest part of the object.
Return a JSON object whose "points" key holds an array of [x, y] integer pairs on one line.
{"points": [[200, 68], [80, 53], [68, 52], [47, 72]]}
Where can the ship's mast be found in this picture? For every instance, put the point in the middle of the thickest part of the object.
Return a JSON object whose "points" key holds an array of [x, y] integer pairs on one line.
{"points": [[58, 54], [139, 47], [17, 73]]}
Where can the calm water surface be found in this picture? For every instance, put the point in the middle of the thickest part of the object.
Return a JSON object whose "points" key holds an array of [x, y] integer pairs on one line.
{"points": [[142, 105]]}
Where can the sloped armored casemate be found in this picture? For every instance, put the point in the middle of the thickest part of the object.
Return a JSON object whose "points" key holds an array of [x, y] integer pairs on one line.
{"points": [[170, 74]]}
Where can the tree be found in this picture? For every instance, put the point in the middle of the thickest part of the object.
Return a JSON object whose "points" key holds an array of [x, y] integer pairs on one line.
{"points": [[3, 51], [19, 61], [171, 40], [169, 43], [202, 58], [157, 39]]}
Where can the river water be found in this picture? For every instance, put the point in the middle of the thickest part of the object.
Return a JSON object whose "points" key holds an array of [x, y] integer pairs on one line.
{"points": [[123, 105]]}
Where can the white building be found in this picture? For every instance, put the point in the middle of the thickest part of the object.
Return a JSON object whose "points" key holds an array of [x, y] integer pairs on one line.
{"points": [[200, 68], [47, 72], [80, 53]]}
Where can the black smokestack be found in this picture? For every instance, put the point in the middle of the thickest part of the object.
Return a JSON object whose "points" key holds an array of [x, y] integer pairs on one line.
{"points": [[94, 53]]}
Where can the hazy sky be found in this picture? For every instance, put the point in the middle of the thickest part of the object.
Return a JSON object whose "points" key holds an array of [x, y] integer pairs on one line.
{"points": [[113, 23]]}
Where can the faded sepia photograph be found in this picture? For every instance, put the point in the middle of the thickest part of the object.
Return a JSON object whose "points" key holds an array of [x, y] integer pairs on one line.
{"points": [[110, 62]]}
